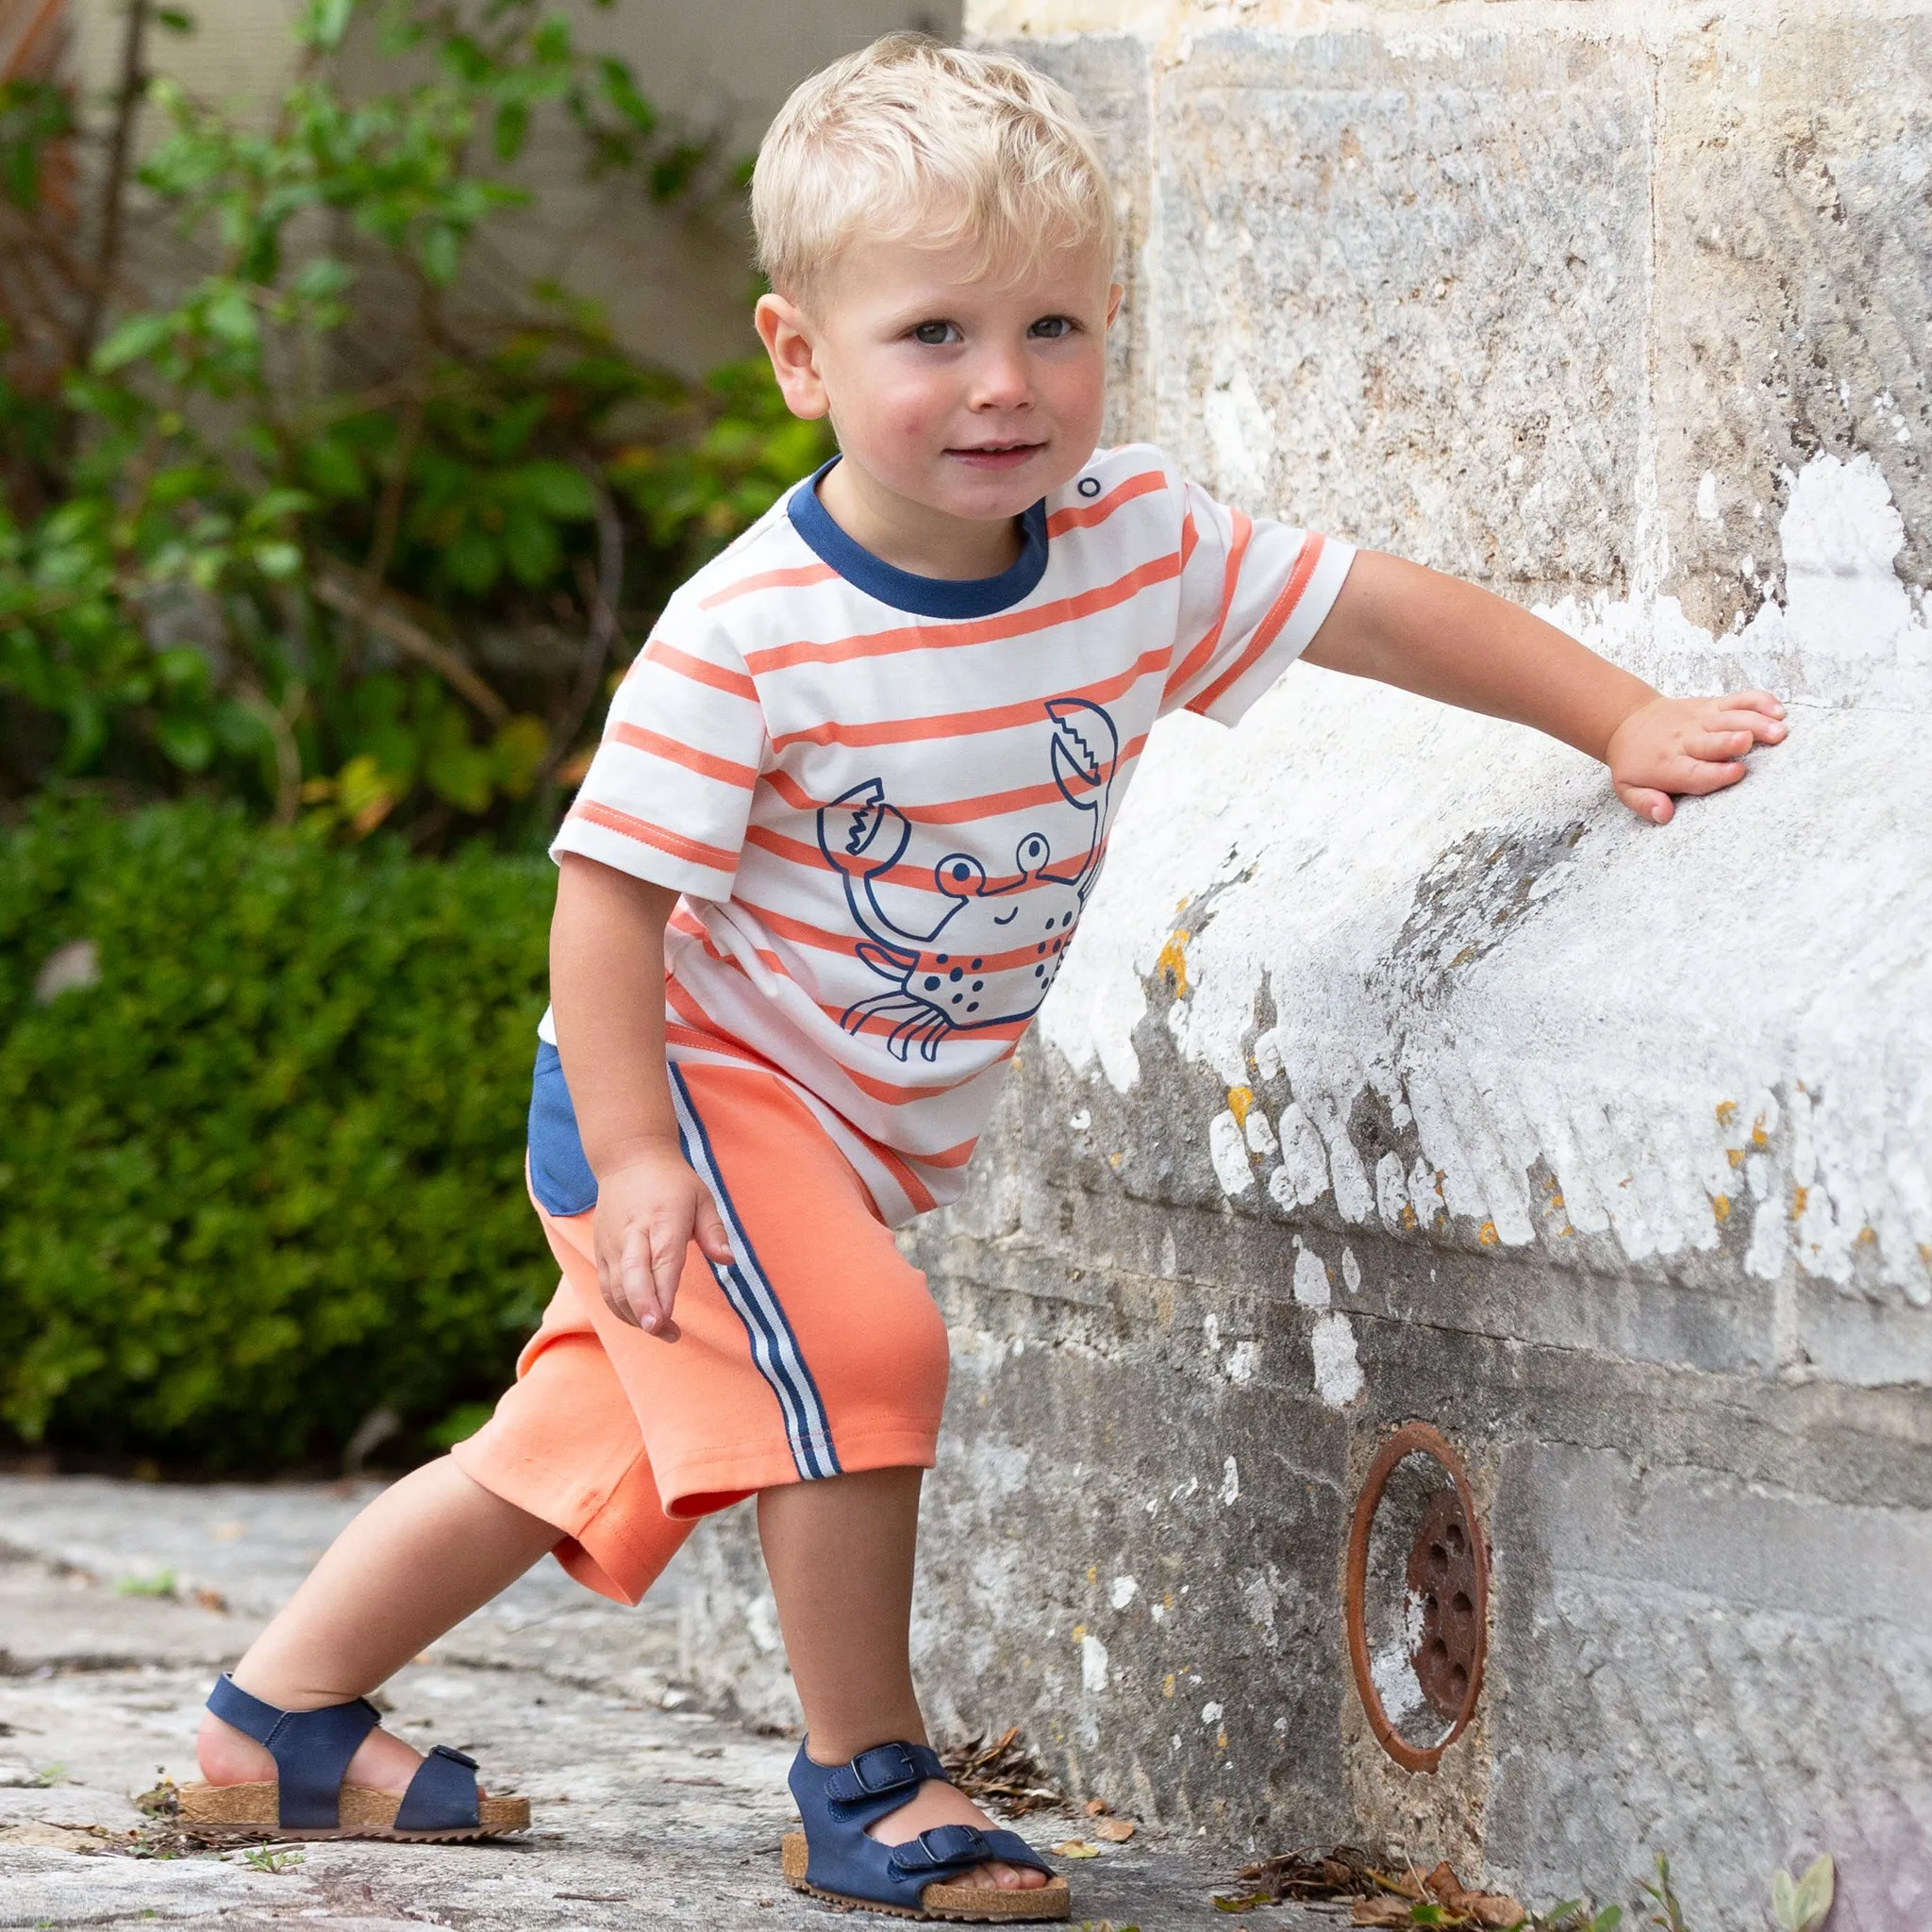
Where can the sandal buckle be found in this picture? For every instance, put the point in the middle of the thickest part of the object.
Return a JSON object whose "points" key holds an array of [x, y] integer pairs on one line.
{"points": [[454, 1755], [894, 1767]]}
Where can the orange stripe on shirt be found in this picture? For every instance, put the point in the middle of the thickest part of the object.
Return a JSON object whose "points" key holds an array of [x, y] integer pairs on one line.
{"points": [[700, 669], [726, 770], [964, 723], [1084, 516], [797, 852], [646, 833], [984, 630], [1269, 626], [1203, 653], [796, 578], [685, 1004], [959, 810]]}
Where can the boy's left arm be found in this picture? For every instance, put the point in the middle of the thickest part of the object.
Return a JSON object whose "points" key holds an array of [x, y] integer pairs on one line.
{"points": [[1449, 641]]}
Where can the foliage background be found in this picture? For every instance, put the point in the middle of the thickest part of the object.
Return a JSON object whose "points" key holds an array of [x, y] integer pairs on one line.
{"points": [[315, 570], [264, 1175]]}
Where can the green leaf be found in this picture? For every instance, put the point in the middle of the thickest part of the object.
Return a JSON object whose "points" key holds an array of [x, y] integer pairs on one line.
{"points": [[278, 561], [137, 338], [555, 488], [1802, 1907], [323, 22], [473, 561], [332, 468], [174, 20], [440, 254], [512, 128], [322, 277], [531, 545], [185, 741], [231, 317]]}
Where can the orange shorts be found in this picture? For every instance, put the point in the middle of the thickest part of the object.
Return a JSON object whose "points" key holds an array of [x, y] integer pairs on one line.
{"points": [[817, 1352]]}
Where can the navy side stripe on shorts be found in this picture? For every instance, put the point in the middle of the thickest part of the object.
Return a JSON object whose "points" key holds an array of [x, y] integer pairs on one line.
{"points": [[774, 1347]]}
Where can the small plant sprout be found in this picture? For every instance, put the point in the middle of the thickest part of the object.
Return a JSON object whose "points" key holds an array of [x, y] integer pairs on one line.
{"points": [[1671, 1917], [1802, 1905], [271, 1858], [161, 1584]]}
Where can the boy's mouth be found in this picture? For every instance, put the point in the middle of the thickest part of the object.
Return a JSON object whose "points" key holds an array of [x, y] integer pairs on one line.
{"points": [[996, 456]]}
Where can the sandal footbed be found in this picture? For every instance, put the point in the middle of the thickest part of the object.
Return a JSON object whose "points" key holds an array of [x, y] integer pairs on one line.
{"points": [[364, 1813], [973, 1903]]}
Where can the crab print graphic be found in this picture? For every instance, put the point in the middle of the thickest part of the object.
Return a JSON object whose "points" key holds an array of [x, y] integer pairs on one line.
{"points": [[997, 950]]}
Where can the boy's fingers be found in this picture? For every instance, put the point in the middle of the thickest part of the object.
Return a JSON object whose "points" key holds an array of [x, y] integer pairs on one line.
{"points": [[633, 1274], [1752, 701], [1699, 778], [1725, 743], [1647, 803], [668, 1244], [1761, 726], [709, 1229]]}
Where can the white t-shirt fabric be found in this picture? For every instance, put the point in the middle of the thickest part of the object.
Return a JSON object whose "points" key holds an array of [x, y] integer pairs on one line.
{"points": [[885, 799]]}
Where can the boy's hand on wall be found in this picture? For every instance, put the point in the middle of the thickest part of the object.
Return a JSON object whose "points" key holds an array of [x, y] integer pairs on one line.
{"points": [[1688, 746], [649, 1211]]}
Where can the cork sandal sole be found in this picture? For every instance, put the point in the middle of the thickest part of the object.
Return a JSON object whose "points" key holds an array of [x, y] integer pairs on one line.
{"points": [[218, 1812], [982, 1905]]}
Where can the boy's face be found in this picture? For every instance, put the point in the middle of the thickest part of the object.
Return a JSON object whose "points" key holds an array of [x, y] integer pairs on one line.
{"points": [[959, 390]]}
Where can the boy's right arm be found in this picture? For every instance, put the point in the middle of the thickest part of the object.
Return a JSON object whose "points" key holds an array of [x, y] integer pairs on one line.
{"points": [[607, 989]]}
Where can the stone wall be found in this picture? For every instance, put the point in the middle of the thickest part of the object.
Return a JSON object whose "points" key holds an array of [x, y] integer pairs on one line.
{"points": [[1398, 1073]]}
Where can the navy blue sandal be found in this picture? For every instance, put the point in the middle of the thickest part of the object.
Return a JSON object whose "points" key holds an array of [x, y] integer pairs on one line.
{"points": [[833, 1859], [311, 1749]]}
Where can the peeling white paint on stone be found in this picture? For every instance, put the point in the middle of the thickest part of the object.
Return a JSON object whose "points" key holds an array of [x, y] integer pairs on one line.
{"points": [[1311, 1285], [1393, 1670], [1123, 1593], [1633, 1020], [1338, 1373], [1243, 1360], [1230, 1483], [1092, 1665], [1230, 1154]]}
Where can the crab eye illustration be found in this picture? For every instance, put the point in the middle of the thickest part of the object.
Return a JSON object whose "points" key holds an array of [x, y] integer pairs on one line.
{"points": [[1033, 853], [961, 877]]}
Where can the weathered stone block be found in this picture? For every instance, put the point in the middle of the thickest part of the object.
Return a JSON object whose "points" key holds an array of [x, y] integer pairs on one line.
{"points": [[1793, 314], [1402, 293]]}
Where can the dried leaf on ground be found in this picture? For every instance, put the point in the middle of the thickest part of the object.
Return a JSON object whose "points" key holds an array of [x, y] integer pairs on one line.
{"points": [[1003, 1773], [1387, 1892], [1077, 1848], [1340, 1872], [1116, 1831]]}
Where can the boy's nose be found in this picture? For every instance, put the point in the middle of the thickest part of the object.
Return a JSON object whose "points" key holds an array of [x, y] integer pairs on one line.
{"points": [[1000, 382]]}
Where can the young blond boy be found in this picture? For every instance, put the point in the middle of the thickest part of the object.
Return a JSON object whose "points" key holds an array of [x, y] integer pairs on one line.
{"points": [[849, 806]]}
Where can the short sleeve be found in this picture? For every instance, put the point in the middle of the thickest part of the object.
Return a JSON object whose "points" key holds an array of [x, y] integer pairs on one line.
{"points": [[668, 795], [1253, 593]]}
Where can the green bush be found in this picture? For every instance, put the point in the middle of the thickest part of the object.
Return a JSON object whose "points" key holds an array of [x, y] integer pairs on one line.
{"points": [[265, 1174]]}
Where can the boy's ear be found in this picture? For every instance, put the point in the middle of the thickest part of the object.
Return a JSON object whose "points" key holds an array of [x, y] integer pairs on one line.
{"points": [[1114, 303], [782, 329]]}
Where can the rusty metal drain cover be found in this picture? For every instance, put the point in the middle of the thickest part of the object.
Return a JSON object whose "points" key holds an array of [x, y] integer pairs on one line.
{"points": [[1418, 1654]]}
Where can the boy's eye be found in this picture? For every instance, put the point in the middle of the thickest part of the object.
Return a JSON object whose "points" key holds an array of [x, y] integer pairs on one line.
{"points": [[1053, 327], [934, 334]]}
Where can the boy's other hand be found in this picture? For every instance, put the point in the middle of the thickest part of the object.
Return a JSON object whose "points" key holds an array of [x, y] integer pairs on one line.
{"points": [[1688, 746], [649, 1211]]}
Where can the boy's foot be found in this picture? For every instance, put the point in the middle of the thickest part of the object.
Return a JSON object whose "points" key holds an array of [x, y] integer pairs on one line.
{"points": [[227, 1756], [937, 1802]]}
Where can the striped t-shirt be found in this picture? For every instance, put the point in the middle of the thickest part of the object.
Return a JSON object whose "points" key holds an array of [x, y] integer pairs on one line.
{"points": [[884, 798]]}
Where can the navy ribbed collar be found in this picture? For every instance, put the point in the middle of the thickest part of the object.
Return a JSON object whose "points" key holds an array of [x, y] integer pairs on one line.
{"points": [[902, 589]]}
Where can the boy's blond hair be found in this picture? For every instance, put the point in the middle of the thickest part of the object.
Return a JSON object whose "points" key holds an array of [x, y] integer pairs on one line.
{"points": [[912, 138]]}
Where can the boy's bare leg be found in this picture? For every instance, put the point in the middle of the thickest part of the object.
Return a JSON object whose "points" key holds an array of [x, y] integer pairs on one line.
{"points": [[840, 1553], [424, 1555]]}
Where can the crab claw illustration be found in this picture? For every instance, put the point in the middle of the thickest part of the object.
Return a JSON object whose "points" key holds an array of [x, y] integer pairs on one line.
{"points": [[1086, 748], [860, 834]]}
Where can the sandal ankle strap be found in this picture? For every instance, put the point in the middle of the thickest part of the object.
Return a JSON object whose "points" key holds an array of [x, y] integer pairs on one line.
{"points": [[311, 1749], [883, 1771]]}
